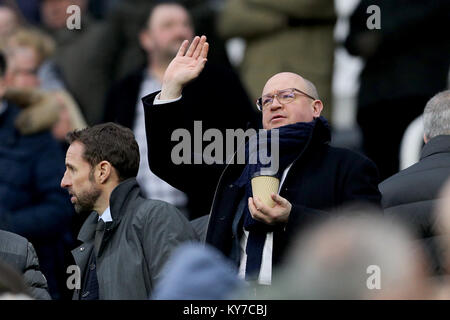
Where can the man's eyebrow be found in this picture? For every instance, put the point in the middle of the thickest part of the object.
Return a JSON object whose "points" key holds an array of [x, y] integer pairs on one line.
{"points": [[68, 165]]}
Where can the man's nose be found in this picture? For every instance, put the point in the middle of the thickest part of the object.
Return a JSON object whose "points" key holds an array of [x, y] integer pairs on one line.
{"points": [[64, 181], [275, 104]]}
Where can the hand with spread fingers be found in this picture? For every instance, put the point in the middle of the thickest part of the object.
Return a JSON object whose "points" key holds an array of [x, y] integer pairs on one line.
{"points": [[186, 66], [278, 214]]}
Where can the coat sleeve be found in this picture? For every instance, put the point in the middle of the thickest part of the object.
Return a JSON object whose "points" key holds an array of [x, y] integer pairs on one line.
{"points": [[183, 176], [34, 277], [165, 228]]}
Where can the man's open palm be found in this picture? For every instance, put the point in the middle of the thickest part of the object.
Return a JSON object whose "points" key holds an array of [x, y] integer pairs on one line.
{"points": [[186, 66]]}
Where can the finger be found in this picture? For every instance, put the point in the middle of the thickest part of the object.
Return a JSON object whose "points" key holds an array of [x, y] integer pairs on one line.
{"points": [[253, 211], [193, 46], [183, 48], [260, 206], [279, 200], [199, 47], [205, 49], [200, 65]]}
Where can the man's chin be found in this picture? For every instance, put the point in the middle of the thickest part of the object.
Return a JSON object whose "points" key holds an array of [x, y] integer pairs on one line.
{"points": [[82, 209]]}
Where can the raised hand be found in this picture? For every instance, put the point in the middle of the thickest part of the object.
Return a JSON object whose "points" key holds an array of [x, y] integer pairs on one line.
{"points": [[186, 66]]}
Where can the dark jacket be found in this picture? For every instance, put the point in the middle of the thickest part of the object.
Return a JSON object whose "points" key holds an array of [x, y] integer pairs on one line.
{"points": [[17, 252], [407, 56], [216, 97], [32, 203], [135, 246], [412, 194], [323, 177]]}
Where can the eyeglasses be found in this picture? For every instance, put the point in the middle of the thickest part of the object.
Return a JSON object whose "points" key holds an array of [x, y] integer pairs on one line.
{"points": [[283, 96]]}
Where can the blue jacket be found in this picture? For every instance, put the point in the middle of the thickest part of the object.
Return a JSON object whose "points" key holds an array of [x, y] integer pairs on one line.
{"points": [[32, 203]]}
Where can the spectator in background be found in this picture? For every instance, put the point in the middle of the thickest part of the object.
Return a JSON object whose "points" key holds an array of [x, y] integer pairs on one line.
{"points": [[32, 51], [85, 57], [406, 63], [412, 194], [288, 35], [34, 84], [126, 18], [32, 204], [357, 255], [8, 23], [126, 239], [18, 253], [167, 26]]}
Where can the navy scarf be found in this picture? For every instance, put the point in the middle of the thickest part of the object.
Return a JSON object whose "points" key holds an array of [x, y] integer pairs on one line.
{"points": [[292, 139]]}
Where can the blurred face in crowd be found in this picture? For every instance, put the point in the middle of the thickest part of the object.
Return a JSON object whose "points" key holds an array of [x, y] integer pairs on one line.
{"points": [[300, 109], [54, 12], [8, 21], [167, 27], [23, 63], [2, 86], [79, 180]]}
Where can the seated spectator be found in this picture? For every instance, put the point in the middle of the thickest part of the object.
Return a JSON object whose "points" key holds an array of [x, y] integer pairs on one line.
{"points": [[411, 194], [18, 253], [32, 204]]}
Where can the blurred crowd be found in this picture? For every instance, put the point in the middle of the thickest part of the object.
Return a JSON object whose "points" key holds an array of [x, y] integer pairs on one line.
{"points": [[55, 79]]}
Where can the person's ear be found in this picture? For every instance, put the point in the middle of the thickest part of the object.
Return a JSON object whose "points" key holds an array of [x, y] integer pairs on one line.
{"points": [[145, 40], [103, 172], [317, 107]]}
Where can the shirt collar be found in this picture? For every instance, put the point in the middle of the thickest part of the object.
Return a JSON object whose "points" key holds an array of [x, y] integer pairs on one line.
{"points": [[106, 216]]}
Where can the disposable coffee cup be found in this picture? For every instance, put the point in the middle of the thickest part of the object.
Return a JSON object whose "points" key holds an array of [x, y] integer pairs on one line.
{"points": [[263, 185]]}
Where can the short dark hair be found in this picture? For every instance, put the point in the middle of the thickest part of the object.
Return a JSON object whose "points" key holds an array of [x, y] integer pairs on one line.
{"points": [[109, 142], [145, 23], [2, 64]]}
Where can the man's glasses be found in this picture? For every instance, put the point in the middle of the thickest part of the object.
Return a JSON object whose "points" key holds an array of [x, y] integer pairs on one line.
{"points": [[283, 96]]}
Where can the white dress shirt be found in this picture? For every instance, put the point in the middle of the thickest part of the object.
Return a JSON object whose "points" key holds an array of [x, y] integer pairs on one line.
{"points": [[152, 186], [106, 215]]}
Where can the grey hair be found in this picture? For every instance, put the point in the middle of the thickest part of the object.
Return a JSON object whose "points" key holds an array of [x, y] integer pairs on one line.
{"points": [[436, 115]]}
